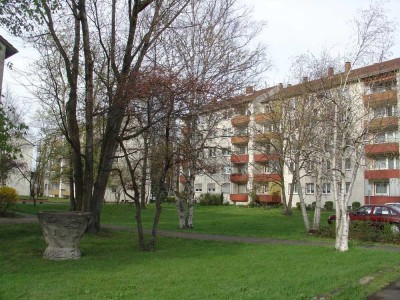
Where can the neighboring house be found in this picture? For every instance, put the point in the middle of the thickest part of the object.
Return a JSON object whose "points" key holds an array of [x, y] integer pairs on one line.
{"points": [[250, 171]]}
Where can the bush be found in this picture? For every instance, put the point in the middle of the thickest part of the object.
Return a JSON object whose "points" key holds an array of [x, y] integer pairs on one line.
{"points": [[329, 205], [8, 198], [170, 199], [211, 199], [355, 205], [298, 205]]}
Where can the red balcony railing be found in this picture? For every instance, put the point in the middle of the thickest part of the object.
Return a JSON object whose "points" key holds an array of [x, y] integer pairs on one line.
{"points": [[239, 158], [380, 99], [240, 120], [239, 178], [266, 177], [239, 140], [239, 197], [381, 174], [386, 148], [269, 198], [265, 157], [384, 123]]}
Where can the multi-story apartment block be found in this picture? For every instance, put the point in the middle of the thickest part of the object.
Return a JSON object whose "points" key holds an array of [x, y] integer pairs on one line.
{"points": [[253, 163]]}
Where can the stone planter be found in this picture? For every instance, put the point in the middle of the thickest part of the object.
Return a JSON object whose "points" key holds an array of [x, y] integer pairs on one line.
{"points": [[62, 232]]}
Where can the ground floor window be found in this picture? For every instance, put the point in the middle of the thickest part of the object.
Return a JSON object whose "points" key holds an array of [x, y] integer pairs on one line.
{"points": [[326, 188], [381, 188], [309, 188], [198, 187]]}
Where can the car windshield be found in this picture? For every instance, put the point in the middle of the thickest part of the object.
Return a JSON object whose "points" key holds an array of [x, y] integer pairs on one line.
{"points": [[364, 210]]}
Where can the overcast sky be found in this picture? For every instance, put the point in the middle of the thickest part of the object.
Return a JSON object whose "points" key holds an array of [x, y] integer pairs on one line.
{"points": [[293, 27]]}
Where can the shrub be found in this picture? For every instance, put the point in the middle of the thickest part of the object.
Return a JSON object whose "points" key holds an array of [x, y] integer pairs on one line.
{"points": [[211, 199], [355, 205], [170, 199], [329, 205], [298, 205], [8, 198], [313, 205]]}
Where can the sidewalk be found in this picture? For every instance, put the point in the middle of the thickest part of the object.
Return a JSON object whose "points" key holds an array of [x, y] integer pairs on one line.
{"points": [[390, 292]]}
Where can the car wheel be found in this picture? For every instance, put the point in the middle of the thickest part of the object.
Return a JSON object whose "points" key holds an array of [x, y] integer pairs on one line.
{"points": [[395, 228]]}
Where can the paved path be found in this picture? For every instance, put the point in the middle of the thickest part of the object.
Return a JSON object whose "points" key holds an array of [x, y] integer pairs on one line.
{"points": [[390, 292]]}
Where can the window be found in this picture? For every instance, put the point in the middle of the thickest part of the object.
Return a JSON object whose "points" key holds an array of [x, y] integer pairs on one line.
{"points": [[210, 187], [227, 169], [309, 188], [212, 152], [347, 163], [387, 111], [226, 188], [198, 187], [326, 188], [383, 163], [295, 191], [381, 188], [242, 150], [387, 137], [227, 131], [347, 187], [328, 164], [226, 152]]}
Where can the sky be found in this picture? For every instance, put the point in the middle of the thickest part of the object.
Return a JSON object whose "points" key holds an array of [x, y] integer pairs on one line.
{"points": [[293, 27]]}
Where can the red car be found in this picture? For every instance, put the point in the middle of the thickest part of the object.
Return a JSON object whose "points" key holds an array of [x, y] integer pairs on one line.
{"points": [[376, 214]]}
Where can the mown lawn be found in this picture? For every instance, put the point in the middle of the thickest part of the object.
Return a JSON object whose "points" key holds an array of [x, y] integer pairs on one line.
{"points": [[228, 220], [112, 268]]}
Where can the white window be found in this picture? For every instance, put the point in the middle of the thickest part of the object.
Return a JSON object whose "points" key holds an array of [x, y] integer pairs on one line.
{"points": [[227, 169], [210, 187], [309, 188], [381, 188], [227, 131], [347, 187], [384, 163], [226, 152], [226, 188], [242, 150], [347, 163], [387, 111], [326, 188], [198, 187], [295, 191], [328, 164], [212, 152]]}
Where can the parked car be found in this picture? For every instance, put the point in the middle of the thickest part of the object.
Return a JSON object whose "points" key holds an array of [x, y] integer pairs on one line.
{"points": [[394, 204], [377, 214]]}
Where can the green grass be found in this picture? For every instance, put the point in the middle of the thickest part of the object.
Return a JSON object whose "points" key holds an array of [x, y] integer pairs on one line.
{"points": [[228, 220], [112, 268]]}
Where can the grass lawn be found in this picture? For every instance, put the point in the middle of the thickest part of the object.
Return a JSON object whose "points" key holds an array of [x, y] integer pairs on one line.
{"points": [[228, 220], [112, 268]]}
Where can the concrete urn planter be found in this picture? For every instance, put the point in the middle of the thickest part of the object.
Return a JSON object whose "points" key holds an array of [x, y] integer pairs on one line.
{"points": [[62, 232]]}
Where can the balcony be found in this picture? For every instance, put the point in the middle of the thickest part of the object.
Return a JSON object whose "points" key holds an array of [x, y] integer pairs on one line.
{"points": [[384, 123], [260, 158], [239, 140], [239, 158], [267, 117], [380, 199], [269, 199], [378, 149], [265, 137], [380, 99], [239, 197], [382, 174], [266, 178], [240, 121], [239, 178]]}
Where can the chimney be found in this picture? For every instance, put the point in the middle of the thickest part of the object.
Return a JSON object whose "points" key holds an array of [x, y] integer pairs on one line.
{"points": [[249, 90], [305, 79], [330, 72], [347, 66], [280, 85]]}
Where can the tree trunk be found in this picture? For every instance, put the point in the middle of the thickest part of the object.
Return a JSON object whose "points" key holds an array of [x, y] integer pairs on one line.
{"points": [[306, 221], [318, 195], [144, 173]]}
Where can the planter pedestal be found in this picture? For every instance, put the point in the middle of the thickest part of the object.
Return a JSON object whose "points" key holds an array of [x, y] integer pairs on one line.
{"points": [[62, 232]]}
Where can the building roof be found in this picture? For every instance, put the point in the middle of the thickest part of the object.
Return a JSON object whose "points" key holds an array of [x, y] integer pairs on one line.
{"points": [[10, 50]]}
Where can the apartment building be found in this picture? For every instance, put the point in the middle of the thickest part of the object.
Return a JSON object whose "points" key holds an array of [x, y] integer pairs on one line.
{"points": [[251, 170]]}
